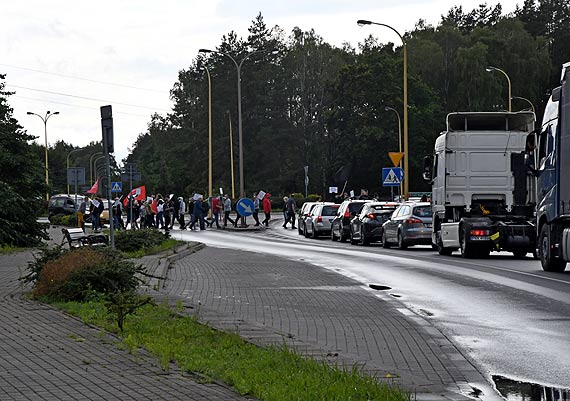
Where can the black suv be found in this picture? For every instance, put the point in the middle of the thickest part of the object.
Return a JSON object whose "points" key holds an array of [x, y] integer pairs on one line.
{"points": [[63, 204], [340, 226]]}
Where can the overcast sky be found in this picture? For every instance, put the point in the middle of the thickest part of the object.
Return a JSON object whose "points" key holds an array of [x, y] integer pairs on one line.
{"points": [[128, 53]]}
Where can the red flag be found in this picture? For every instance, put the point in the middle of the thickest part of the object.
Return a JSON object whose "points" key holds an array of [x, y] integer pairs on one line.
{"points": [[138, 193], [94, 188]]}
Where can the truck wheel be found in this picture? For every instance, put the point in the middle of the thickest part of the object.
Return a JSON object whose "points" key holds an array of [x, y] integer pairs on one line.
{"points": [[547, 260], [467, 250], [385, 243], [401, 243], [440, 248]]}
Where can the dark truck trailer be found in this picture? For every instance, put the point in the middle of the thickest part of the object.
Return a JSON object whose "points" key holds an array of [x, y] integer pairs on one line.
{"points": [[553, 185]]}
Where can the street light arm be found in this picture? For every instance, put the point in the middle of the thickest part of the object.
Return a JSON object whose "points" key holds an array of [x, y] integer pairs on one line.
{"points": [[491, 68], [362, 22]]}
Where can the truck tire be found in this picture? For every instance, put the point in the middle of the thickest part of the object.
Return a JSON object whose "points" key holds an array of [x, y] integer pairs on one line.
{"points": [[547, 260], [467, 250], [520, 254], [441, 249]]}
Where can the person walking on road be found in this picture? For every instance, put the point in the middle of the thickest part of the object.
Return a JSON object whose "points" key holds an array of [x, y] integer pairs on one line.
{"points": [[266, 209], [290, 208], [227, 211], [256, 209], [217, 208], [198, 214], [181, 212]]}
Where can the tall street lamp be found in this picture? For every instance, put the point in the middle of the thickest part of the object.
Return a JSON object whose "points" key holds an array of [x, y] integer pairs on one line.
{"points": [[399, 135], [526, 100], [45, 120], [209, 132], [231, 155], [91, 166], [67, 165], [240, 132], [490, 69], [406, 154]]}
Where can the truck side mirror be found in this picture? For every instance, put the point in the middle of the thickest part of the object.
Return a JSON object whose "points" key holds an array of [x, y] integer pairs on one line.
{"points": [[427, 174]]}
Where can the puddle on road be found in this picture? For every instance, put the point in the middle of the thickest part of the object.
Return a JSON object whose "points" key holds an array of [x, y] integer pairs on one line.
{"points": [[379, 287], [514, 390]]}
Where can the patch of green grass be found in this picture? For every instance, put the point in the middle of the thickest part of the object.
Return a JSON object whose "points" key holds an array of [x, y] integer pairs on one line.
{"points": [[274, 373], [164, 246], [4, 249]]}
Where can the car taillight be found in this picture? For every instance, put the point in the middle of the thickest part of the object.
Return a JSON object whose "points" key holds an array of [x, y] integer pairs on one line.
{"points": [[347, 214], [320, 219], [479, 233], [413, 221], [371, 216]]}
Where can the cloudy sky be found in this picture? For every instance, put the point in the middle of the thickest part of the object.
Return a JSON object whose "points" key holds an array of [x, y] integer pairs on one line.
{"points": [[75, 56]]}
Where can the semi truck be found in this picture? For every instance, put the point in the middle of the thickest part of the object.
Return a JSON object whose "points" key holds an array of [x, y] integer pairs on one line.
{"points": [[552, 168], [483, 189]]}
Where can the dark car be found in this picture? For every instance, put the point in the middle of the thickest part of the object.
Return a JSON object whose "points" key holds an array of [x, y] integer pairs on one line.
{"points": [[366, 227], [63, 204], [410, 224], [340, 226]]}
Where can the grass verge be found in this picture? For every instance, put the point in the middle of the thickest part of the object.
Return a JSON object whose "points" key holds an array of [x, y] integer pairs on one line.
{"points": [[273, 374], [5, 249], [164, 246]]}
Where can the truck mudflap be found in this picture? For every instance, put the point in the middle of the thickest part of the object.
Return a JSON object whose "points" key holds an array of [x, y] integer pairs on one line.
{"points": [[513, 237]]}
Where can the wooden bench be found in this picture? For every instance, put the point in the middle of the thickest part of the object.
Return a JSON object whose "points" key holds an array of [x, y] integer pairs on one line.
{"points": [[77, 238]]}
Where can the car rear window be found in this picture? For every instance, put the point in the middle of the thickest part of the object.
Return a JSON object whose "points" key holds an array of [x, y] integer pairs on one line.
{"points": [[356, 207], [422, 211], [329, 210]]}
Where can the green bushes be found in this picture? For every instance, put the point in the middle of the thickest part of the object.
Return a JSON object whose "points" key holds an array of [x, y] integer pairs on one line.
{"points": [[135, 240], [69, 220], [77, 275]]}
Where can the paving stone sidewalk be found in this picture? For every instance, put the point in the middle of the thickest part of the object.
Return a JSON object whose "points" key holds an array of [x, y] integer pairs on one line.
{"points": [[270, 300], [47, 355]]}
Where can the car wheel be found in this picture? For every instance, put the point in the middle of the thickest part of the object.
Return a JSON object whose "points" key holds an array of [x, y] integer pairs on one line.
{"points": [[385, 243], [314, 233], [341, 237], [299, 230], [305, 231], [333, 238], [401, 243], [352, 240]]}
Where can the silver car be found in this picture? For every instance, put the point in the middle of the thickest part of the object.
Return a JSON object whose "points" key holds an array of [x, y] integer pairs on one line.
{"points": [[302, 215], [410, 224], [318, 222]]}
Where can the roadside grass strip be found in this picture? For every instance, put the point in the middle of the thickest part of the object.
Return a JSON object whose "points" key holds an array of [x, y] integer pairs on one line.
{"points": [[164, 246], [273, 373]]}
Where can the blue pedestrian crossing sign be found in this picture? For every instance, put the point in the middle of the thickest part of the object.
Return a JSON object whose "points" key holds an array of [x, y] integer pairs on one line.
{"points": [[244, 207], [392, 176], [117, 186]]}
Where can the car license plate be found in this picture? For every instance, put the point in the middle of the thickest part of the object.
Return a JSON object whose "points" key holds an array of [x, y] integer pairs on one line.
{"points": [[427, 225]]}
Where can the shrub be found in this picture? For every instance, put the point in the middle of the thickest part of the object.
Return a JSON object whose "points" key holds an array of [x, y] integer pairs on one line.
{"points": [[134, 240], [70, 220], [57, 219], [35, 267], [78, 274], [313, 197]]}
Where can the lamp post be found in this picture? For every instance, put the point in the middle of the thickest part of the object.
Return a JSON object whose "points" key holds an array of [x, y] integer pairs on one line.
{"points": [[240, 131], [231, 155], [95, 164], [490, 69], [399, 135], [526, 100], [406, 154], [209, 132], [67, 164], [91, 166], [45, 120]]}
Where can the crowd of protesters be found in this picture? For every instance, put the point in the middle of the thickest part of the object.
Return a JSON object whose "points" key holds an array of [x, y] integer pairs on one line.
{"points": [[163, 212]]}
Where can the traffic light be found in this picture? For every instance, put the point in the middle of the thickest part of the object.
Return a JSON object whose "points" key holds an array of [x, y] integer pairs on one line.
{"points": [[107, 128]]}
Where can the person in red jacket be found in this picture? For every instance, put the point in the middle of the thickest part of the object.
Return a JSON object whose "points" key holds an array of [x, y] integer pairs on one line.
{"points": [[266, 209]]}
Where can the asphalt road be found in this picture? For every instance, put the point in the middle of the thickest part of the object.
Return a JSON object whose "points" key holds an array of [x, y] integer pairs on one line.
{"points": [[510, 316]]}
